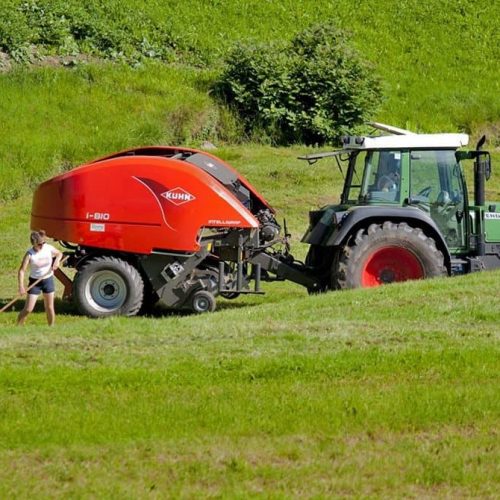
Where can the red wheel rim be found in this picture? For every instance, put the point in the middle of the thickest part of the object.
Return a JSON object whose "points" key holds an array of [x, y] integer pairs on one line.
{"points": [[390, 264]]}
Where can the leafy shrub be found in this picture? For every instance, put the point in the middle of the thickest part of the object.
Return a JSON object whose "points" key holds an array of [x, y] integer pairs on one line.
{"points": [[109, 30], [313, 89], [14, 31]]}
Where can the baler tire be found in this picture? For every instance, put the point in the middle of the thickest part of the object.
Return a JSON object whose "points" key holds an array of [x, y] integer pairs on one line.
{"points": [[202, 301], [387, 253], [108, 286]]}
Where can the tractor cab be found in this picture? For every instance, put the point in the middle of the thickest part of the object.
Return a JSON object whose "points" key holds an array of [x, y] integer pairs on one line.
{"points": [[402, 187], [404, 173]]}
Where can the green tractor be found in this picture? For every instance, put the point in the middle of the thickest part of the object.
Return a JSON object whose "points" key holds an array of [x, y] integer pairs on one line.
{"points": [[404, 212]]}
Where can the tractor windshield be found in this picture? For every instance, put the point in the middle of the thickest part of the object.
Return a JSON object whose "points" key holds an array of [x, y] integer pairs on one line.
{"points": [[437, 186]]}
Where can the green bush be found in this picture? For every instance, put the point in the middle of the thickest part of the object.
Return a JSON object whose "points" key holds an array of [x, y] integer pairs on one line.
{"points": [[14, 31], [313, 89], [110, 30]]}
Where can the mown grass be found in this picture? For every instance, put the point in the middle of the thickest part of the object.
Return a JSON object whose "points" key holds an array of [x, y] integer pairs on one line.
{"points": [[390, 392], [384, 392], [356, 393]]}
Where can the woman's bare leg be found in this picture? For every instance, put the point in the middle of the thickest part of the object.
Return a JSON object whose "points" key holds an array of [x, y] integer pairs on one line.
{"points": [[29, 305], [48, 300]]}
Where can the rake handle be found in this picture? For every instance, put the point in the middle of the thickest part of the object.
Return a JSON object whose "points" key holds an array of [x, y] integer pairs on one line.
{"points": [[19, 295]]}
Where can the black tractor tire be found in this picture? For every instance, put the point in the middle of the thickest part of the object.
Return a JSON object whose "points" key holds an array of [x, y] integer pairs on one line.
{"points": [[387, 253], [108, 286], [202, 301]]}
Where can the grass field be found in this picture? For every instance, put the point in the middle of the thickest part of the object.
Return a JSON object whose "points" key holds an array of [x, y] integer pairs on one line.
{"points": [[436, 60], [357, 393], [389, 392], [382, 392]]}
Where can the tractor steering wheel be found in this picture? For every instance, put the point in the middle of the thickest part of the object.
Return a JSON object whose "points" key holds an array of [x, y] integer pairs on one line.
{"points": [[425, 192], [444, 202]]}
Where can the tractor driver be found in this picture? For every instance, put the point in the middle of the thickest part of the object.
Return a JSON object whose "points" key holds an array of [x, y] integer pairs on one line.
{"points": [[389, 173]]}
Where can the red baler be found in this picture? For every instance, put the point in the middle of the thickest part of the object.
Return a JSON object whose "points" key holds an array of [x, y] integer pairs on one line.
{"points": [[161, 223]]}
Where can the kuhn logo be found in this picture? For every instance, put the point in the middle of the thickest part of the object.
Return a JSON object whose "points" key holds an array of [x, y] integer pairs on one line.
{"points": [[178, 196]]}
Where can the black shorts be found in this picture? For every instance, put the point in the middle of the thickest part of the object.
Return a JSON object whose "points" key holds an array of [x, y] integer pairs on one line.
{"points": [[45, 286]]}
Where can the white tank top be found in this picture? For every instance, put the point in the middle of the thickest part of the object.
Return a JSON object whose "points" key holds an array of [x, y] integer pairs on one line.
{"points": [[41, 261]]}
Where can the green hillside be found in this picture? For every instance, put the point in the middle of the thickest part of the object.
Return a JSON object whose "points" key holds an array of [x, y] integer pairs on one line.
{"points": [[437, 62]]}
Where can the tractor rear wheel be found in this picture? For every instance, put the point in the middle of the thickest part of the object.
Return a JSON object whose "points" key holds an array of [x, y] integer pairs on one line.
{"points": [[385, 254], [107, 286]]}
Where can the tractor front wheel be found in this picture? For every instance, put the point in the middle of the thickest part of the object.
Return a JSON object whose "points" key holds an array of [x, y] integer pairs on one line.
{"points": [[385, 254], [106, 286]]}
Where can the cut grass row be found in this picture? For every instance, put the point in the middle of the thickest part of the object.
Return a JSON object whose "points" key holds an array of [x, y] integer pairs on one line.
{"points": [[356, 393], [439, 463], [386, 392]]}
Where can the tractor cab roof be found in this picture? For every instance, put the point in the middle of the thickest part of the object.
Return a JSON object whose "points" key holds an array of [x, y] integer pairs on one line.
{"points": [[407, 141], [399, 139]]}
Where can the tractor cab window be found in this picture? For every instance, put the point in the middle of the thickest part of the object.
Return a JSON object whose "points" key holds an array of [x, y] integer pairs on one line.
{"points": [[435, 177], [381, 176], [352, 186], [437, 187], [425, 183]]}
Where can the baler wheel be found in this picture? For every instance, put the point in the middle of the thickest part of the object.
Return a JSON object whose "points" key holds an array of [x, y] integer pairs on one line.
{"points": [[106, 286], [385, 254], [202, 302]]}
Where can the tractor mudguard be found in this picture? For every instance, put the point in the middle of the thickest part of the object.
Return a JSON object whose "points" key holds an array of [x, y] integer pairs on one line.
{"points": [[363, 216]]}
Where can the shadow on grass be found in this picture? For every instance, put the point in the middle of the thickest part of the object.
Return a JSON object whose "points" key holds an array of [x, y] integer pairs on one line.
{"points": [[62, 306], [159, 311], [68, 308]]}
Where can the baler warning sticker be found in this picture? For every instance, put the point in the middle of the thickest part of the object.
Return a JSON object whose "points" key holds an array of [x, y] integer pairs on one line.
{"points": [[98, 228]]}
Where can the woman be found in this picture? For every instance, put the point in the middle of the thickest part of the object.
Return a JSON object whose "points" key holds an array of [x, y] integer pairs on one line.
{"points": [[43, 260]]}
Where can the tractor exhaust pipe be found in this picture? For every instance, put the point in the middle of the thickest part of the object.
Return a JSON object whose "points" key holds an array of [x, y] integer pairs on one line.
{"points": [[479, 195], [479, 175]]}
